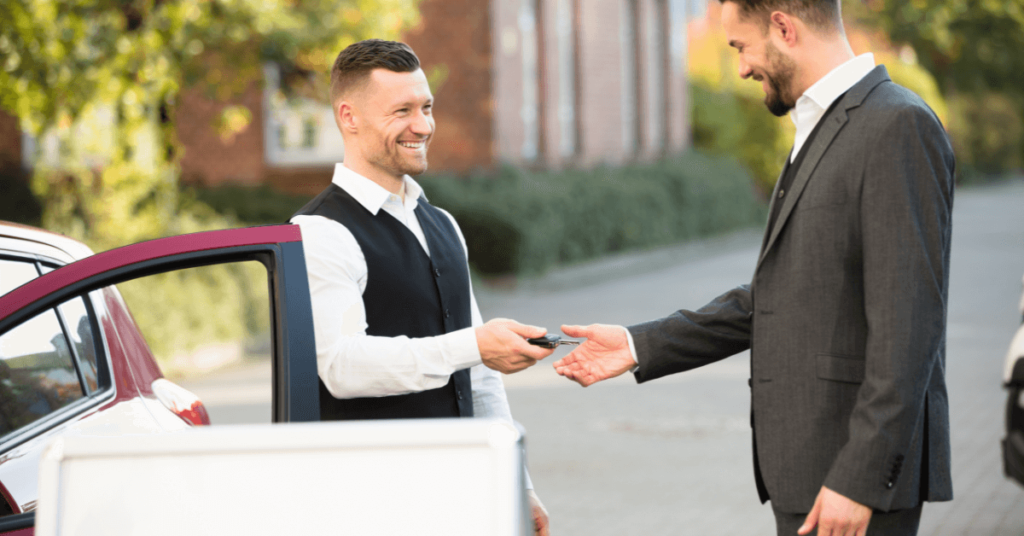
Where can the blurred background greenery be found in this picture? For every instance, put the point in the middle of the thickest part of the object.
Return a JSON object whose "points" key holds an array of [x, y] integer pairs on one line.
{"points": [[104, 78]]}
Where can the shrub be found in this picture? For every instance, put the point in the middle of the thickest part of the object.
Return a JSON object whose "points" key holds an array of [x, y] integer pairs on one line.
{"points": [[524, 222], [250, 205], [728, 122], [987, 134]]}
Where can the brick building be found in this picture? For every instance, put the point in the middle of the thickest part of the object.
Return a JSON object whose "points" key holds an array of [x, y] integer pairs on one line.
{"points": [[535, 83]]}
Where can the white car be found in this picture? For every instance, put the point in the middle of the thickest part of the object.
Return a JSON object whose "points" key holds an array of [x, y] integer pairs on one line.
{"points": [[1013, 379]]}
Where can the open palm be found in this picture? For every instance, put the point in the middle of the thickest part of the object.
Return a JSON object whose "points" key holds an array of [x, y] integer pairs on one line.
{"points": [[605, 354]]}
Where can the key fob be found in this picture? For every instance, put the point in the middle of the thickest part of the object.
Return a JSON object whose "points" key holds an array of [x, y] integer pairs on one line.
{"points": [[547, 341]]}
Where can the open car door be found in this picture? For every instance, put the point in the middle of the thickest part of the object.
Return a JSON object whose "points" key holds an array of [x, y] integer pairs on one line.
{"points": [[293, 352]]}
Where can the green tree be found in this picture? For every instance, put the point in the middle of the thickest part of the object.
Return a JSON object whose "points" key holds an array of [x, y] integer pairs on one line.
{"points": [[101, 78], [973, 48]]}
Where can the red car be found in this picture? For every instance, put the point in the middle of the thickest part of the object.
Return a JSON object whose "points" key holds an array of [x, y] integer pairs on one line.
{"points": [[72, 360]]}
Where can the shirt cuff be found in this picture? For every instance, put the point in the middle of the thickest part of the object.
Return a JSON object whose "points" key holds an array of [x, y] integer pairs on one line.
{"points": [[463, 351], [632, 350]]}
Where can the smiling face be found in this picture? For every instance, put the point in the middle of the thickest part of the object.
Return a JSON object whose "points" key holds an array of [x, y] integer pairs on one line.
{"points": [[760, 59], [394, 123]]}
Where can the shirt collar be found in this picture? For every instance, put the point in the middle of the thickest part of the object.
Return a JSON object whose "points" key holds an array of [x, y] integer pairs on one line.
{"points": [[838, 81], [370, 194]]}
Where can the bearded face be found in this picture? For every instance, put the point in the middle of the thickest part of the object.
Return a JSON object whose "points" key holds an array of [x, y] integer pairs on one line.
{"points": [[778, 72]]}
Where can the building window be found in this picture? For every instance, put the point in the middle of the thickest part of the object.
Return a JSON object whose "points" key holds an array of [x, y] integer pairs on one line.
{"points": [[567, 83], [530, 112], [628, 37], [298, 132]]}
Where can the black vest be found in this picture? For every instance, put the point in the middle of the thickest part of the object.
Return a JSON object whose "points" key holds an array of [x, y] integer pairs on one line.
{"points": [[407, 293]]}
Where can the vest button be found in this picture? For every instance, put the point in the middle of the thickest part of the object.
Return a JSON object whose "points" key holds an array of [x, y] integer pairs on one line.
{"points": [[437, 272]]}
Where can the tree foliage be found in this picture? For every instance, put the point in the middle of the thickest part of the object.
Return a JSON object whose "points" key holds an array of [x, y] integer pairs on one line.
{"points": [[968, 45], [103, 76], [973, 48], [96, 81]]}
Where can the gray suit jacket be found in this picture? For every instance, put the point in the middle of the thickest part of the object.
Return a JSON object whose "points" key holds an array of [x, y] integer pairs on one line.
{"points": [[846, 314]]}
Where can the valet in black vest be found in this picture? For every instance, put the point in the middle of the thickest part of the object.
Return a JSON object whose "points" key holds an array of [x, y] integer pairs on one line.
{"points": [[408, 292]]}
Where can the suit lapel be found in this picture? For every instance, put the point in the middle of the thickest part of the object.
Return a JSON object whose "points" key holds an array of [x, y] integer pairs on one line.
{"points": [[830, 127]]}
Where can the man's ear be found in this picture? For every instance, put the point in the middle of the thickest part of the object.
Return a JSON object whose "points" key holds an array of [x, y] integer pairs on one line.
{"points": [[784, 26], [344, 115]]}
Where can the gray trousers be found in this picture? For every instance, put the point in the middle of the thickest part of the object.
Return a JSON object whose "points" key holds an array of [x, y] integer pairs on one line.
{"points": [[895, 523]]}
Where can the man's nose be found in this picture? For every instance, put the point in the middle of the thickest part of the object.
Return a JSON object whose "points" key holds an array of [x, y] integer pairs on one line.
{"points": [[745, 70], [422, 125]]}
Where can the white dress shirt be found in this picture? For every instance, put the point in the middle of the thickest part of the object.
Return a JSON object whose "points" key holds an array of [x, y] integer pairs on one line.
{"points": [[809, 109], [813, 104], [353, 364]]}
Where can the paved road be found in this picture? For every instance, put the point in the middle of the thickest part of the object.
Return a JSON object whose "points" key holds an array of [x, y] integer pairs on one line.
{"points": [[673, 456]]}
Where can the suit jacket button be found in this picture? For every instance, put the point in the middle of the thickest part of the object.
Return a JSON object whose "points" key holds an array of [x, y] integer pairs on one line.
{"points": [[447, 313], [888, 485], [437, 272], [458, 394]]}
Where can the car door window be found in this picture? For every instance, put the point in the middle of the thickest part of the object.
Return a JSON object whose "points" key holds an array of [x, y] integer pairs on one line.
{"points": [[14, 274], [37, 372], [80, 331], [209, 330]]}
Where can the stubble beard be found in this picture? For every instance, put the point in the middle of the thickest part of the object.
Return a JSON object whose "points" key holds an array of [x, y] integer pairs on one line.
{"points": [[780, 80], [393, 162]]}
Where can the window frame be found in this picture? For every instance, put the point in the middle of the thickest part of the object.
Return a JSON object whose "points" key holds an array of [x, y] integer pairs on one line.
{"points": [[89, 400], [277, 247]]}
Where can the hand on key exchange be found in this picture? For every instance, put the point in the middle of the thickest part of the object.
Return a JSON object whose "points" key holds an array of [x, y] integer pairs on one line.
{"points": [[605, 354]]}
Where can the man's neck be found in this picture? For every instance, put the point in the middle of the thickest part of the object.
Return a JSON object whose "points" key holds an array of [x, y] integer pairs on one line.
{"points": [[395, 185], [826, 57]]}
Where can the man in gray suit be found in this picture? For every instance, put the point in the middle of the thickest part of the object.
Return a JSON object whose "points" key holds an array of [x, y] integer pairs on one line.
{"points": [[846, 314]]}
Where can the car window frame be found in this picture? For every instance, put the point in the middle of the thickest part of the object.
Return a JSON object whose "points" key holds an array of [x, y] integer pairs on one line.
{"points": [[104, 378], [16, 522], [295, 393], [88, 401]]}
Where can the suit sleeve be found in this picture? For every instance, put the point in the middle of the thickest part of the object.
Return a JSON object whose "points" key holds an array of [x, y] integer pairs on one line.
{"points": [[686, 340], [905, 211]]}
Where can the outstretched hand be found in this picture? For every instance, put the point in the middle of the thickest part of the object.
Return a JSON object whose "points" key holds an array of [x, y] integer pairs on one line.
{"points": [[605, 354]]}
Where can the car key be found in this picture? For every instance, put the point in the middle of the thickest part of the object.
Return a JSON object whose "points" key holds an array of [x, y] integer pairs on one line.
{"points": [[550, 341]]}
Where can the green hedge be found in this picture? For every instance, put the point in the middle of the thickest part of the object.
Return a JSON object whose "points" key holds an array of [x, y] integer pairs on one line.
{"points": [[734, 123], [251, 205], [523, 222]]}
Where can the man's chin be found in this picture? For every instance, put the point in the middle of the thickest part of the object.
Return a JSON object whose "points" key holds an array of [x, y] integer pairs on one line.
{"points": [[777, 107], [418, 168]]}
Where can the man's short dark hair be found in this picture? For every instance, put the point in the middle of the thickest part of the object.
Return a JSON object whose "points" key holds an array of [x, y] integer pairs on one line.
{"points": [[823, 16], [354, 64]]}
